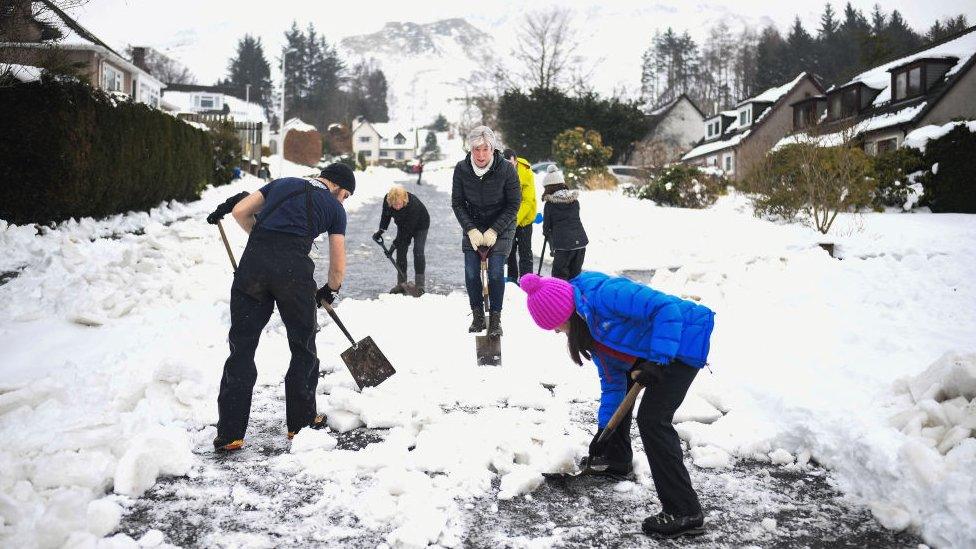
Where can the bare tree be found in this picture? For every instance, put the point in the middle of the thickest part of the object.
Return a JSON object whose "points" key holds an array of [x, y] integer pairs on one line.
{"points": [[164, 68], [546, 48]]}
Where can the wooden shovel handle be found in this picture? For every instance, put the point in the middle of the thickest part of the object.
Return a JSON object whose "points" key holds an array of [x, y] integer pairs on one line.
{"points": [[223, 236], [626, 405]]}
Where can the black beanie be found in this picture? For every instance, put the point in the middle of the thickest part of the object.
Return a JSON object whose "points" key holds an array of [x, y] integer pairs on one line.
{"points": [[341, 175]]}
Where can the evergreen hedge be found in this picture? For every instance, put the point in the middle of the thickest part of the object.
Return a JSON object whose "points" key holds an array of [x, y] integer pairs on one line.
{"points": [[67, 150], [949, 182]]}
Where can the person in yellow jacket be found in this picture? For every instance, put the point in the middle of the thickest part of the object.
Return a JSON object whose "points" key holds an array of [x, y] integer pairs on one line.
{"points": [[520, 258]]}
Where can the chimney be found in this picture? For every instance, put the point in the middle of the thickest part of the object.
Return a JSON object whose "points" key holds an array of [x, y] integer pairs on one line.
{"points": [[139, 58]]}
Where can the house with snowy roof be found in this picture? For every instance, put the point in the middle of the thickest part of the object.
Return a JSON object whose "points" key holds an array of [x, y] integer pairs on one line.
{"points": [[383, 142], [736, 139], [880, 106], [183, 99], [40, 34], [672, 129]]}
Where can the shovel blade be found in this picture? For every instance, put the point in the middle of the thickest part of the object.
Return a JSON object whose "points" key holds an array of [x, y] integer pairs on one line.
{"points": [[489, 350], [367, 364], [406, 288]]}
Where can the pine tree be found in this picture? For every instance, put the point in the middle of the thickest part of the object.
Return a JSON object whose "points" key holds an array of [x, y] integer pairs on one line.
{"points": [[800, 48], [827, 46], [771, 60], [852, 39], [376, 90], [949, 27], [901, 37], [250, 67]]}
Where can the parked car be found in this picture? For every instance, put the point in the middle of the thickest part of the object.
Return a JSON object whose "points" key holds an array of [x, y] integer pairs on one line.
{"points": [[629, 175], [541, 167]]}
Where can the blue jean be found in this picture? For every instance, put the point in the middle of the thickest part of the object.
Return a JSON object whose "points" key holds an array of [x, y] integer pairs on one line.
{"points": [[496, 279]]}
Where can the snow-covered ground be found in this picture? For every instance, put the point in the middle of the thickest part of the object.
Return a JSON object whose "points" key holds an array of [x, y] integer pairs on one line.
{"points": [[113, 336]]}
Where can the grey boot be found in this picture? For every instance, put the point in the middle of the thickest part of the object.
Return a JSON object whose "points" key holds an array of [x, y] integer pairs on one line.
{"points": [[495, 323], [477, 320], [418, 281]]}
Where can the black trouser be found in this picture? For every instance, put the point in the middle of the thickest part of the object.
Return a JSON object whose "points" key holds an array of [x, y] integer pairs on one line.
{"points": [[275, 270], [661, 443], [566, 264], [520, 258], [419, 260]]}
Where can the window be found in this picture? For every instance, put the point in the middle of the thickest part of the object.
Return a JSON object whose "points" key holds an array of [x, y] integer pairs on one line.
{"points": [[367, 154], [744, 118], [399, 155], [111, 78], [886, 145], [208, 102], [844, 103], [365, 139], [712, 161], [901, 85], [714, 128], [915, 81], [384, 153], [399, 139], [728, 162], [148, 95]]}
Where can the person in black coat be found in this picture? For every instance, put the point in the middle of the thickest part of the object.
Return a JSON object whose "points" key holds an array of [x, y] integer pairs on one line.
{"points": [[412, 221], [485, 197], [561, 225]]}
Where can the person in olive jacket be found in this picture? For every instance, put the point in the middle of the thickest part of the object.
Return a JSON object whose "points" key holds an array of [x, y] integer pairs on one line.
{"points": [[412, 221], [485, 197], [561, 225]]}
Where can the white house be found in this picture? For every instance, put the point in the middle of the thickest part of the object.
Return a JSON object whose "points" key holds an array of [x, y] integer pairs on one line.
{"points": [[191, 98], [383, 141], [672, 129]]}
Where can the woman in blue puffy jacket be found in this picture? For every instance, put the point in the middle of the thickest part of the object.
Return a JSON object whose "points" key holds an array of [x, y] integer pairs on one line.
{"points": [[634, 333]]}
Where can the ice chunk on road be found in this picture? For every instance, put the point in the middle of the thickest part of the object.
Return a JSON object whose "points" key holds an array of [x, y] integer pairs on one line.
{"points": [[312, 439], [520, 481]]}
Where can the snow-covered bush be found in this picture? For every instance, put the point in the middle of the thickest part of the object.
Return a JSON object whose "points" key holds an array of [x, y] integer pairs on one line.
{"points": [[680, 186], [817, 182], [893, 170], [584, 158], [948, 181]]}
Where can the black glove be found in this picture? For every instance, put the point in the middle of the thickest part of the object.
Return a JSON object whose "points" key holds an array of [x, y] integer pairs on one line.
{"points": [[647, 373], [225, 208], [326, 294], [378, 236]]}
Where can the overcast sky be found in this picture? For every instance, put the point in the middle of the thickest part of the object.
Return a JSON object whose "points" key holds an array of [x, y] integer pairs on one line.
{"points": [[202, 34]]}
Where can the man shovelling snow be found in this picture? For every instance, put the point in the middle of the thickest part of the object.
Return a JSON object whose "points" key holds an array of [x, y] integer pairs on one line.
{"points": [[276, 269]]}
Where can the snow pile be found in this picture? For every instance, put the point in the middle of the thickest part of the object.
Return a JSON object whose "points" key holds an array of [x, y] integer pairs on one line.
{"points": [[919, 137]]}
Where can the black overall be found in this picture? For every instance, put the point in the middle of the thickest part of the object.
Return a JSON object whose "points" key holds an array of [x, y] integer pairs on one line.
{"points": [[275, 269]]}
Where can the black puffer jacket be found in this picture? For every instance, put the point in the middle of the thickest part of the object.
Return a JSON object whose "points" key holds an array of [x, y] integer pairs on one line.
{"points": [[487, 202], [409, 219], [561, 221]]}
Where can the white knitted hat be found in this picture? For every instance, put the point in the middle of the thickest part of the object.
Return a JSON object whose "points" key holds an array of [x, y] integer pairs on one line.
{"points": [[554, 176]]}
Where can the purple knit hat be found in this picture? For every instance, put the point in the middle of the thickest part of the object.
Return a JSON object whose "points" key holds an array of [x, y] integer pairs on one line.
{"points": [[551, 301]]}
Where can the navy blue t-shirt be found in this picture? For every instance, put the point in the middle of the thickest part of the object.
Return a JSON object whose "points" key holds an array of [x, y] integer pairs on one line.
{"points": [[328, 215]]}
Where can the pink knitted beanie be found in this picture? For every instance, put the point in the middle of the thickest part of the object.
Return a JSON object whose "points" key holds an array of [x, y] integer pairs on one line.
{"points": [[550, 300]]}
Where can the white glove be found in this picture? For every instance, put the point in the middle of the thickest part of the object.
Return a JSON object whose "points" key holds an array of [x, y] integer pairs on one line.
{"points": [[476, 238], [489, 238]]}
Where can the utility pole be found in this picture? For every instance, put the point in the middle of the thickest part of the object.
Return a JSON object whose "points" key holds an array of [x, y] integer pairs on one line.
{"points": [[247, 93], [281, 122]]}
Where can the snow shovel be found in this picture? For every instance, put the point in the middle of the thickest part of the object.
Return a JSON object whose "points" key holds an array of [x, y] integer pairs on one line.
{"points": [[367, 364], [488, 348], [408, 288], [626, 405], [542, 255], [223, 237]]}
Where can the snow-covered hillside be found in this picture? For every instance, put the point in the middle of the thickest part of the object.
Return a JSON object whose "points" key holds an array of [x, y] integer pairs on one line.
{"points": [[424, 64]]}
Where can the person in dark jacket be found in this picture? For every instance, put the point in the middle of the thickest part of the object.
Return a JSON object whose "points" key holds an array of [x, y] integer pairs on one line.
{"points": [[562, 227], [282, 219], [412, 221], [485, 197], [634, 334]]}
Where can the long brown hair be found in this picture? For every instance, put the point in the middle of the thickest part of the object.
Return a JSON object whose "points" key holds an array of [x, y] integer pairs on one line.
{"points": [[579, 338]]}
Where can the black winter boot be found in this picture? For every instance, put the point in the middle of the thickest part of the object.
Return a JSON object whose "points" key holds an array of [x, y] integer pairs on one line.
{"points": [[477, 321], [495, 323], [670, 526], [419, 283]]}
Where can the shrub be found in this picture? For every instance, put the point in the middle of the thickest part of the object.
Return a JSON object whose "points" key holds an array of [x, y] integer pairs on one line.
{"points": [[361, 160], [583, 157], [948, 181], [891, 170], [67, 150], [680, 186], [819, 182], [226, 151]]}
